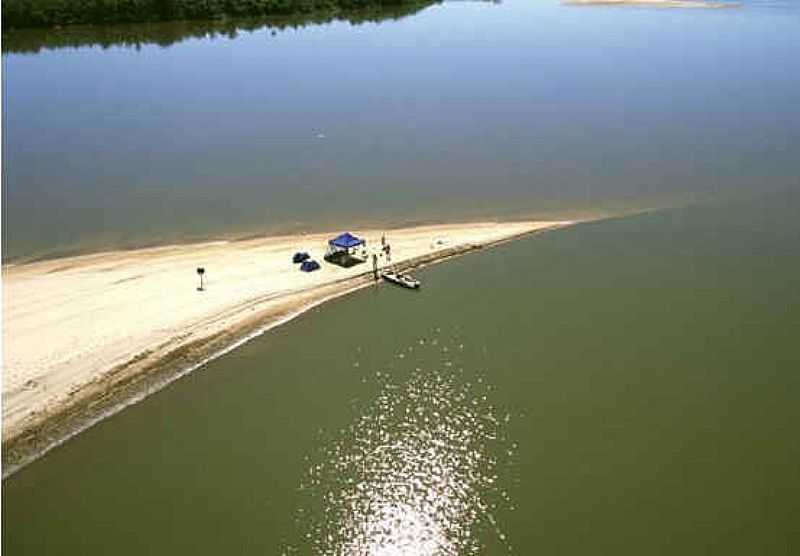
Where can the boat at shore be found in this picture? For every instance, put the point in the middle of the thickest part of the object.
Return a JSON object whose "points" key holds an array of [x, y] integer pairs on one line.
{"points": [[403, 280]]}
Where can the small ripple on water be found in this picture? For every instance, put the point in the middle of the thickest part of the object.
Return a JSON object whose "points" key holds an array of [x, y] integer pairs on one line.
{"points": [[415, 473]]}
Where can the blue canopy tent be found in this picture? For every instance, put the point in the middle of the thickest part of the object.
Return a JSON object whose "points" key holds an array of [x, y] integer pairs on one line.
{"points": [[344, 250], [346, 241]]}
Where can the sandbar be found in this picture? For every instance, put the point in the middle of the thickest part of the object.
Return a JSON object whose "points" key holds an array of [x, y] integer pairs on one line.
{"points": [[653, 3], [83, 334]]}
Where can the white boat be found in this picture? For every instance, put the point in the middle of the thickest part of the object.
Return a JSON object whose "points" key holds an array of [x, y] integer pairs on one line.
{"points": [[404, 280]]}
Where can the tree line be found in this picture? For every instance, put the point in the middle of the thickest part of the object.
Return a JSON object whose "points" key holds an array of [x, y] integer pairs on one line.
{"points": [[48, 13]]}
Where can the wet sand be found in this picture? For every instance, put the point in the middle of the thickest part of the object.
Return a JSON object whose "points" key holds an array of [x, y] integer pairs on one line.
{"points": [[83, 334]]}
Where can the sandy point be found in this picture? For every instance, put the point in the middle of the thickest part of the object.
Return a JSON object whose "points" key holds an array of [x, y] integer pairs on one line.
{"points": [[75, 330], [653, 3]]}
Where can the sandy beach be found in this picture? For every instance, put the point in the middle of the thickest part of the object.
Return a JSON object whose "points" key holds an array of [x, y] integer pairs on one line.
{"points": [[652, 3], [77, 329]]}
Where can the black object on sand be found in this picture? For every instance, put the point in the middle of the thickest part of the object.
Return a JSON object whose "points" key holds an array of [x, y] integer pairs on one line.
{"points": [[201, 272]]}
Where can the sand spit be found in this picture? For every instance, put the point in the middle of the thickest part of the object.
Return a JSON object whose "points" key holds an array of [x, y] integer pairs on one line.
{"points": [[652, 3], [85, 336]]}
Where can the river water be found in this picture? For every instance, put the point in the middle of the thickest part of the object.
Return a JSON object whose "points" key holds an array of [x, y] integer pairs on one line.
{"points": [[622, 386], [150, 134], [628, 386]]}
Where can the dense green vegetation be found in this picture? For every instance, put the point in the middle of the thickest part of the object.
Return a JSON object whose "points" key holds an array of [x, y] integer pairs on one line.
{"points": [[46, 13], [136, 35]]}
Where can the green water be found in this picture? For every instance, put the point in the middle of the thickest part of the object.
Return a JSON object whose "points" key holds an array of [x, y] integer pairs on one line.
{"points": [[622, 387]]}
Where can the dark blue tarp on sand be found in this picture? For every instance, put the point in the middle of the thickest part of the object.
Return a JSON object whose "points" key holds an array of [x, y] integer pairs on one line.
{"points": [[309, 266], [346, 241]]}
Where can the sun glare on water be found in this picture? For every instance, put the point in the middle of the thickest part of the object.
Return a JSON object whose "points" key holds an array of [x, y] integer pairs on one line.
{"points": [[416, 473]]}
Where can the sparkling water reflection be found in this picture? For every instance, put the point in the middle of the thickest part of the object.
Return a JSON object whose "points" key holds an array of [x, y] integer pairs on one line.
{"points": [[417, 471]]}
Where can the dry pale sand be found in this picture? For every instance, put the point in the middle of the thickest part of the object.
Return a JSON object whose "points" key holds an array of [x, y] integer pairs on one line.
{"points": [[75, 327], [652, 3]]}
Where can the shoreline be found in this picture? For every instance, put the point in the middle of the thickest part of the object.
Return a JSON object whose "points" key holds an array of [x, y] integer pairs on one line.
{"points": [[51, 420], [685, 4], [81, 251]]}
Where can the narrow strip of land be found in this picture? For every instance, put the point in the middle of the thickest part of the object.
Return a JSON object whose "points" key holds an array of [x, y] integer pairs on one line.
{"points": [[653, 3], [74, 329]]}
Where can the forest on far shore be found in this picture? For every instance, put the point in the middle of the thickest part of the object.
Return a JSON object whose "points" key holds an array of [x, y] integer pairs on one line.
{"points": [[48, 13]]}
